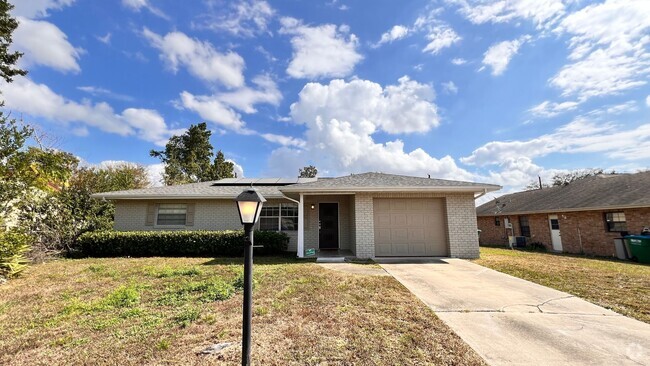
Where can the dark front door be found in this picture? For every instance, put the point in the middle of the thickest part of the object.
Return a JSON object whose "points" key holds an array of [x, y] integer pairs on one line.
{"points": [[328, 224]]}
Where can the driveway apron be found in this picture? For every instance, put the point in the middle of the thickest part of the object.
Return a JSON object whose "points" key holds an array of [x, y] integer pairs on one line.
{"points": [[510, 321]]}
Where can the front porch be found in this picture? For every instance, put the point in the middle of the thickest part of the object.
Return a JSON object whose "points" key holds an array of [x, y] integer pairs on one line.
{"points": [[326, 226], [334, 256]]}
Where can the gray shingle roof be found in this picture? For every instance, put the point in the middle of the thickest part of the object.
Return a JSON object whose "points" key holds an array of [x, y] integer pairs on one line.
{"points": [[382, 181], [192, 190], [601, 191], [230, 188]]}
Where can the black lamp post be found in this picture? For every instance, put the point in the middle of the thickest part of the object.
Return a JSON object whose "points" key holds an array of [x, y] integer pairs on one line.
{"points": [[249, 204]]}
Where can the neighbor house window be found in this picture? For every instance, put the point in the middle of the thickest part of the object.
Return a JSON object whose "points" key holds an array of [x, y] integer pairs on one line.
{"points": [[172, 214], [497, 221], [282, 217], [524, 226], [615, 221]]}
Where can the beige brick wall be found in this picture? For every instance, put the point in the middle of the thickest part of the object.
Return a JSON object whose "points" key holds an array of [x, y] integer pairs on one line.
{"points": [[355, 220], [364, 226], [461, 226], [460, 215], [130, 215]]}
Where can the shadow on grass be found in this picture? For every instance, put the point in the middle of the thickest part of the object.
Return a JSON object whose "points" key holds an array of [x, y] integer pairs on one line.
{"points": [[258, 260]]}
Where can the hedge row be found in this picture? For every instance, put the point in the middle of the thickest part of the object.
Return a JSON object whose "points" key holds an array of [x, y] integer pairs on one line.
{"points": [[178, 243]]}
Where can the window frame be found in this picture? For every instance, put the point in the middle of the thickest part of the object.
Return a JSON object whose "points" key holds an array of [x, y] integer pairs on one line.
{"points": [[525, 231], [497, 221], [280, 207], [613, 225], [159, 206]]}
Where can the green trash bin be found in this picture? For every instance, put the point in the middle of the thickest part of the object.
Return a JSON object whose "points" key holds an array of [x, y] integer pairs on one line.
{"points": [[639, 247]]}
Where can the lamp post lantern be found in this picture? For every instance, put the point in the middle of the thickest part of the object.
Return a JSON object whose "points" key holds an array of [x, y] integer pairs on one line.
{"points": [[249, 205]]}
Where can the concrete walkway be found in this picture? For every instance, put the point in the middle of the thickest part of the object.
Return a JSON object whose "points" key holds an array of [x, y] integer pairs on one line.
{"points": [[510, 321]]}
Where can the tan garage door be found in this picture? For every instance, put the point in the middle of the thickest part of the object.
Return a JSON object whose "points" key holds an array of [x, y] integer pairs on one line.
{"points": [[410, 227]]}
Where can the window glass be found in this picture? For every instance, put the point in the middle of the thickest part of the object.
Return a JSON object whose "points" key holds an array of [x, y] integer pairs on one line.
{"points": [[172, 214], [555, 224], [524, 226], [497, 221], [289, 219], [269, 223], [283, 217], [615, 221]]}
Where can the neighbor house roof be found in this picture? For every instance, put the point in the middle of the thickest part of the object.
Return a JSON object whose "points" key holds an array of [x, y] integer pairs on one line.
{"points": [[374, 182], [604, 191], [275, 187]]}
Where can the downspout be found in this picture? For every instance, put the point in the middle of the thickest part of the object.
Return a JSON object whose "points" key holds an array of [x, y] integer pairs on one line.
{"points": [[290, 199], [301, 224]]}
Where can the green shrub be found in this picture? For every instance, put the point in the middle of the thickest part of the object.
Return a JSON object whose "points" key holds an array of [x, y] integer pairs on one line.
{"points": [[178, 243], [13, 246]]}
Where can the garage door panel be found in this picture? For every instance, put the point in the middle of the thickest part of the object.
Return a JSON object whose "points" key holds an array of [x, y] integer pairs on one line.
{"points": [[382, 236], [398, 219], [416, 220], [410, 227], [417, 249], [398, 205], [399, 235], [399, 250], [416, 234], [382, 220]]}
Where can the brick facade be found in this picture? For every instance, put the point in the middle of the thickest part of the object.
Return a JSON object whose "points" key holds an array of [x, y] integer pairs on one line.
{"points": [[460, 215], [356, 220], [582, 232]]}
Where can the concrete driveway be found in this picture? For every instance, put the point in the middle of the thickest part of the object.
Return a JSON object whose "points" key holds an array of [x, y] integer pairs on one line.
{"points": [[510, 321]]}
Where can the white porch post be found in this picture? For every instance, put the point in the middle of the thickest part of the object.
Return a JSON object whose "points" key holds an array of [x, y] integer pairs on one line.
{"points": [[301, 227]]}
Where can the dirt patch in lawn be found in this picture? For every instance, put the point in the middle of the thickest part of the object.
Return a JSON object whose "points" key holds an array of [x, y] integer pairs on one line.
{"points": [[166, 310], [620, 286]]}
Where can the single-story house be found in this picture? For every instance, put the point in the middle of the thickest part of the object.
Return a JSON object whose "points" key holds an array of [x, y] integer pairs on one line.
{"points": [[584, 216], [367, 215]]}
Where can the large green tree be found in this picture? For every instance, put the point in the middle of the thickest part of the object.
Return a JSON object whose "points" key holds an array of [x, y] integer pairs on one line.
{"points": [[188, 158], [563, 179], [8, 59], [309, 171], [57, 219]]}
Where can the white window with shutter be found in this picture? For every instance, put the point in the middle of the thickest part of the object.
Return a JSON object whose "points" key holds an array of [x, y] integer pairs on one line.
{"points": [[171, 214]]}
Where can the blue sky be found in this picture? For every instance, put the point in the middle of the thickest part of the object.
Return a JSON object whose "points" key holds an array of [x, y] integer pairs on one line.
{"points": [[495, 91]]}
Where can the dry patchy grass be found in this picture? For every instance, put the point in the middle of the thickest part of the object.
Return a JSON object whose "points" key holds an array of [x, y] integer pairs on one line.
{"points": [[165, 310], [620, 286]]}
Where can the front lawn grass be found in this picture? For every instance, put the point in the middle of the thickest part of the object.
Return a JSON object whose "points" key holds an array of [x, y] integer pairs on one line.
{"points": [[621, 286], [165, 310]]}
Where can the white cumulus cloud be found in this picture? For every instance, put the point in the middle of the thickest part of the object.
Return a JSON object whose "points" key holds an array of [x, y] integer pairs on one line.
{"points": [[403, 108], [43, 43], [342, 117], [609, 47], [320, 51], [395, 33], [220, 108], [38, 8], [543, 13], [498, 56], [244, 18], [200, 58], [137, 5], [582, 135], [548, 109], [38, 100]]}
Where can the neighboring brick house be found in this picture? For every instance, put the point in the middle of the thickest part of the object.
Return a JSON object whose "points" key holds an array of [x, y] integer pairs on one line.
{"points": [[368, 215], [582, 217]]}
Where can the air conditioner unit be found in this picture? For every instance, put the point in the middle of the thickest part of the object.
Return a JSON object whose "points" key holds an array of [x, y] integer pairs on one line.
{"points": [[509, 225]]}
